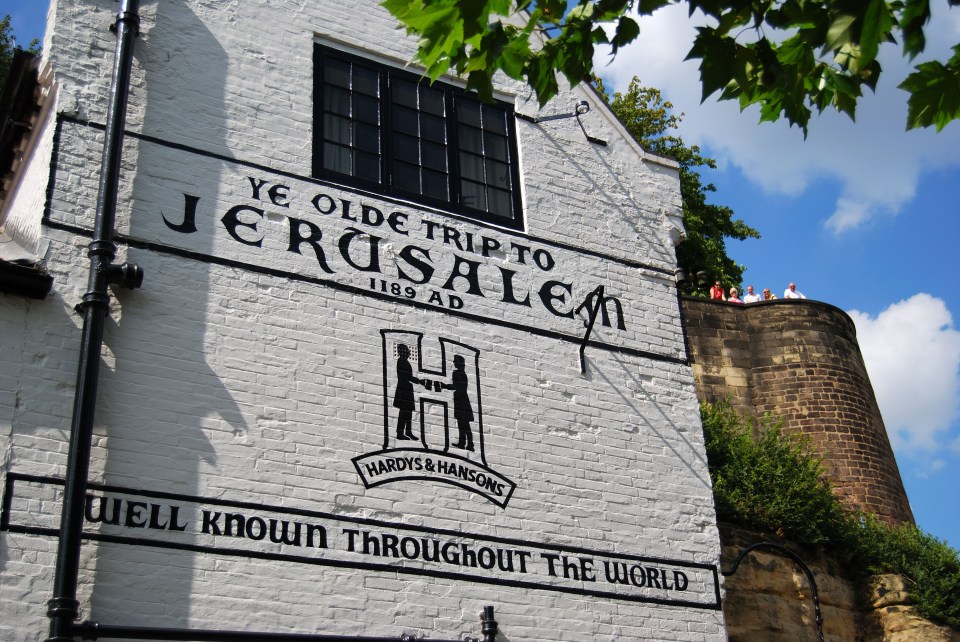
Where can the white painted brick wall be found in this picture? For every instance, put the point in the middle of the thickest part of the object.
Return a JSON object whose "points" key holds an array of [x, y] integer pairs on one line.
{"points": [[241, 374]]}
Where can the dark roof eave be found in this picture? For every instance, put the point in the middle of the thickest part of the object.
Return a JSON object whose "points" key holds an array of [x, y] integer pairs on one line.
{"points": [[26, 281]]}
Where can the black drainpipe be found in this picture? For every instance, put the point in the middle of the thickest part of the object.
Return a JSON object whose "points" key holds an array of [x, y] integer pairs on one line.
{"points": [[63, 608]]}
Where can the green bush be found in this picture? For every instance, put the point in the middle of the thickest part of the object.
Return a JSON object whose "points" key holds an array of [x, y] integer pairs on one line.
{"points": [[770, 482], [930, 566], [766, 480]]}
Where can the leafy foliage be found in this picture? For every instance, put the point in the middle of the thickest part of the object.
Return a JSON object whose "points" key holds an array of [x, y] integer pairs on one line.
{"points": [[790, 57], [766, 480], [769, 482], [934, 93], [8, 46], [930, 566], [652, 122]]}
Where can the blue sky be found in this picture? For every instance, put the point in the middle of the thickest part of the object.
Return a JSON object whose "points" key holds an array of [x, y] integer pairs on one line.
{"points": [[861, 215]]}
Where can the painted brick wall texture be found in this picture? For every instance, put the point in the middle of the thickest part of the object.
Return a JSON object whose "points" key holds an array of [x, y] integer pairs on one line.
{"points": [[246, 470], [799, 361]]}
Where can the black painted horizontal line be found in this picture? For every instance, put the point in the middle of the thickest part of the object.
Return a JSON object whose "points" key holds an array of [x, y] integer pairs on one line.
{"points": [[31, 530], [457, 534], [295, 276], [396, 201]]}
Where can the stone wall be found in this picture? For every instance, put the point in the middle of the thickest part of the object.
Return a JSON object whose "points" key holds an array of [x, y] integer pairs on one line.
{"points": [[769, 599], [798, 360]]}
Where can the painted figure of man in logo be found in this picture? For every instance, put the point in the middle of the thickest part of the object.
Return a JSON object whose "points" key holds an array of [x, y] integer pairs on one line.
{"points": [[403, 398], [462, 410]]}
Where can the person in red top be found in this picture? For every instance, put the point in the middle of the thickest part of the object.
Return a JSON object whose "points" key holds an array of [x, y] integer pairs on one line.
{"points": [[716, 292]]}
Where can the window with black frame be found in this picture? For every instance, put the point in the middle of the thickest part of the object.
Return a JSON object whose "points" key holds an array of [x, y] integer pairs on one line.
{"points": [[392, 132]]}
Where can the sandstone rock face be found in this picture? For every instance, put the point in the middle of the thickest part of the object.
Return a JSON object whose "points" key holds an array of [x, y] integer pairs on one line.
{"points": [[770, 599], [892, 619]]}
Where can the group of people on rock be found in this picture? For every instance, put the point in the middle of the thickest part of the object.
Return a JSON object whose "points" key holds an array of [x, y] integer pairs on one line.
{"points": [[717, 293]]}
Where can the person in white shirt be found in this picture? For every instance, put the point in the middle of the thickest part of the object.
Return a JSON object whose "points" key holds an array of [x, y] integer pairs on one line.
{"points": [[750, 297], [791, 292]]}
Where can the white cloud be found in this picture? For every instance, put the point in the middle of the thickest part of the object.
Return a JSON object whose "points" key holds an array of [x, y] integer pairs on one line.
{"points": [[934, 466], [849, 214], [875, 162], [912, 353]]}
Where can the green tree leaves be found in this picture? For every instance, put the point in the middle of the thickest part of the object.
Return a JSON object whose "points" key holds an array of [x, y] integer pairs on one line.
{"points": [[8, 46], [817, 55], [479, 38], [934, 93], [792, 58]]}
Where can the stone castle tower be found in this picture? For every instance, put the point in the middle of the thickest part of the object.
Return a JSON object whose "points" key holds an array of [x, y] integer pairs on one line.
{"points": [[799, 360]]}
